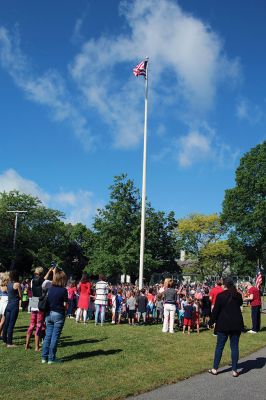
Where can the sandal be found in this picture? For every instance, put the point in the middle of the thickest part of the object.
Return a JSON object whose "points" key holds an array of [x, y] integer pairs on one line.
{"points": [[212, 373], [235, 374]]}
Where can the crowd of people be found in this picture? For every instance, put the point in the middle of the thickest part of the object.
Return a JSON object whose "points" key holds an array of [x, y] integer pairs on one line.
{"points": [[51, 297]]}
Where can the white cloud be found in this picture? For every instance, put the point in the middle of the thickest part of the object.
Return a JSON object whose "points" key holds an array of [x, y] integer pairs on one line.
{"points": [[187, 64], [11, 180], [245, 110], [179, 45], [48, 89], [192, 148], [78, 206], [203, 146]]}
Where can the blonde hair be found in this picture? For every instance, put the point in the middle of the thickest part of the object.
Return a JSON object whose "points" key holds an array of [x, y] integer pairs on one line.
{"points": [[38, 271], [4, 278], [59, 279]]}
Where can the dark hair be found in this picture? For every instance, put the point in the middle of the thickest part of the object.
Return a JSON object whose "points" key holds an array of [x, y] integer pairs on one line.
{"points": [[85, 277], [14, 276], [230, 285], [102, 277], [219, 282]]}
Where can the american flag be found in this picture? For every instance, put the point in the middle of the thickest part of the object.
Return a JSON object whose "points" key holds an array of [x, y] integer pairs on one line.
{"points": [[141, 69], [258, 277]]}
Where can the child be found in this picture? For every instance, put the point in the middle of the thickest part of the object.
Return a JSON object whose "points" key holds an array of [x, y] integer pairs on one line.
{"points": [[131, 303], [142, 302], [72, 292], [188, 314], [119, 304], [181, 311], [196, 315], [113, 306], [150, 305], [159, 307]]}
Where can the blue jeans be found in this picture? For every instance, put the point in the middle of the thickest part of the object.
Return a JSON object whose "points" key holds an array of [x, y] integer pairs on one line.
{"points": [[99, 307], [221, 340], [255, 316], [54, 325], [11, 315]]}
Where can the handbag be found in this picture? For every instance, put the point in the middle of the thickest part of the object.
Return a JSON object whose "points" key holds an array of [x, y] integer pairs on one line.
{"points": [[43, 302]]}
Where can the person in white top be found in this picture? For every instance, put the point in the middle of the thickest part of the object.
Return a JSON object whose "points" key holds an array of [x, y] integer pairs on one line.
{"points": [[101, 299]]}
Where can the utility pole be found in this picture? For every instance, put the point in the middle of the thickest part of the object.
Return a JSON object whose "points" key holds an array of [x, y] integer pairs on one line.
{"points": [[16, 212]]}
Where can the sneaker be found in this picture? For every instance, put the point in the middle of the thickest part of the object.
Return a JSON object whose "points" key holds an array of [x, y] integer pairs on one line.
{"points": [[113, 322], [55, 361], [44, 361], [251, 331]]}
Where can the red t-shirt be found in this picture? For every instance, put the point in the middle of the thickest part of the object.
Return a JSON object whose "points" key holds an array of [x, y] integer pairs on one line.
{"points": [[214, 292], [256, 296]]}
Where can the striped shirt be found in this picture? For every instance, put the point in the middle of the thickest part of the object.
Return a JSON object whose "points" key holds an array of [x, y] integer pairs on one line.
{"points": [[101, 293]]}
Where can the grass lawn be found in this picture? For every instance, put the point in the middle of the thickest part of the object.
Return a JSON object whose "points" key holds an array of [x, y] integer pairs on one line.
{"points": [[110, 362]]}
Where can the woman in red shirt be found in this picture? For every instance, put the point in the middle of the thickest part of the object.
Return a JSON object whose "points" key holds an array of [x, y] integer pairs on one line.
{"points": [[84, 297]]}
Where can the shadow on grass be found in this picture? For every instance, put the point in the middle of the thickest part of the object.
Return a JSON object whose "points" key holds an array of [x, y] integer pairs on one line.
{"points": [[249, 365], [21, 328], [87, 354], [68, 343]]}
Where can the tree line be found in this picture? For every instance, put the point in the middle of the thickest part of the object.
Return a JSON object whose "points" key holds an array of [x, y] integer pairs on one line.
{"points": [[235, 239]]}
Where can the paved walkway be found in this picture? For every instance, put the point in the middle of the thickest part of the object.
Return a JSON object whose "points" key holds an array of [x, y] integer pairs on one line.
{"points": [[250, 385]]}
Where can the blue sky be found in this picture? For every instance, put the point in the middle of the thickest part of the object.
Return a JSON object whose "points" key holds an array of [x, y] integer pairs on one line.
{"points": [[72, 111]]}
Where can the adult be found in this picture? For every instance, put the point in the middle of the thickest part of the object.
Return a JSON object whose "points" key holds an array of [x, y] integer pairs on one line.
{"points": [[227, 316], [12, 308], [101, 299], [55, 319], [170, 300], [215, 291], [3, 299], [36, 316], [255, 303], [84, 297]]}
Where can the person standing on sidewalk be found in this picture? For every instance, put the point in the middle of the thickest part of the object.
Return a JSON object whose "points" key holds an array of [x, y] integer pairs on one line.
{"points": [[227, 316], [255, 302]]}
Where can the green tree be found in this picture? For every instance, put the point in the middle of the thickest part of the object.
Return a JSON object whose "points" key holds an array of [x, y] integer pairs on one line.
{"points": [[36, 229], [216, 257], [117, 234], [116, 228], [197, 235], [244, 207]]}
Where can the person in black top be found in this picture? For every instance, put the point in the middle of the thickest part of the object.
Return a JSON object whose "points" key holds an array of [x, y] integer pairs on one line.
{"points": [[55, 319], [227, 316], [12, 308]]}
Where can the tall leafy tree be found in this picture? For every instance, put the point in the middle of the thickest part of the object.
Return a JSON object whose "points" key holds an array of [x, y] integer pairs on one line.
{"points": [[117, 234], [116, 229], [244, 206], [36, 230], [199, 235]]}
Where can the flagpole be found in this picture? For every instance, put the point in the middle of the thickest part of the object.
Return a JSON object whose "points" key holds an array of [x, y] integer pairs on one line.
{"points": [[143, 198]]}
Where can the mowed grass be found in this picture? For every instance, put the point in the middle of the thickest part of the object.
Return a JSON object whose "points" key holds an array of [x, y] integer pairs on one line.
{"points": [[110, 362]]}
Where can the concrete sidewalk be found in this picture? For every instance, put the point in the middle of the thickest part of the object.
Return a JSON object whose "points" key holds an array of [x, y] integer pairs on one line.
{"points": [[250, 385]]}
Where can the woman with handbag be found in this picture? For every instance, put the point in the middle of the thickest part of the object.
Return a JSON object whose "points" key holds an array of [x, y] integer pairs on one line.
{"points": [[55, 318], [37, 315], [227, 316]]}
